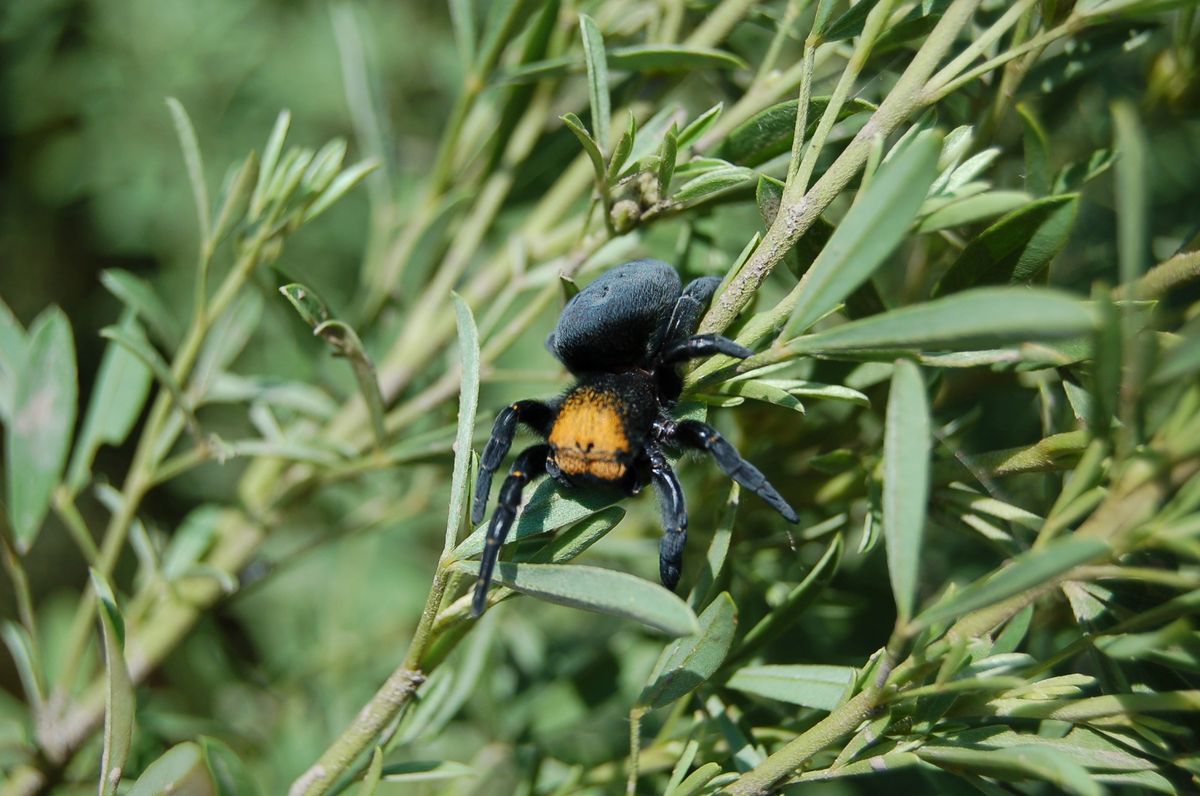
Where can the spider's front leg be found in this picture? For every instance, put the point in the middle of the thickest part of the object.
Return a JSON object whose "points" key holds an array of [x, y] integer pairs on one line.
{"points": [[534, 414], [675, 518], [528, 466], [701, 436], [702, 345]]}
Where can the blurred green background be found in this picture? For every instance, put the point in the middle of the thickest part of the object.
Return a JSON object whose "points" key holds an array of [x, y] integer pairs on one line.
{"points": [[92, 179]]}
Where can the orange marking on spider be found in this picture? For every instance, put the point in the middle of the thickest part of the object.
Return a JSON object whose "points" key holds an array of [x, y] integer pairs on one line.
{"points": [[589, 436]]}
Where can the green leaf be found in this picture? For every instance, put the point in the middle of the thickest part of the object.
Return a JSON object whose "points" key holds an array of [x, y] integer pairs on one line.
{"points": [[468, 406], [426, 771], [589, 145], [813, 686], [603, 591], [688, 662], [983, 318], [622, 149], [671, 58], [12, 358], [230, 775], [133, 340], [713, 183], [872, 228], [1131, 193], [568, 544], [227, 339], [1027, 571], [137, 294], [906, 448], [119, 703], [120, 392], [762, 391], [971, 209], [548, 509], [709, 577], [194, 163], [1016, 248], [1037, 152], [667, 155], [42, 420], [180, 770], [342, 184], [769, 132], [24, 654], [270, 160], [597, 72], [695, 782], [1015, 764], [235, 198], [462, 19], [700, 125]]}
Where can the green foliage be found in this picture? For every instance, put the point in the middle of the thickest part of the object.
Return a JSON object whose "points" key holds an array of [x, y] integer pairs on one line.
{"points": [[936, 225]]}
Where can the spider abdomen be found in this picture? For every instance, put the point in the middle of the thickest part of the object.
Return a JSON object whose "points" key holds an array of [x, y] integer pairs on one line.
{"points": [[599, 428]]}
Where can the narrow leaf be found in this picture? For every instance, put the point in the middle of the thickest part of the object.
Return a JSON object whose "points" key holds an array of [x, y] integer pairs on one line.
{"points": [[120, 391], [195, 165], [770, 132], [1131, 193], [597, 71], [1016, 248], [548, 509], [714, 183], [906, 447], [589, 145], [972, 209], [426, 771], [24, 654], [872, 228], [341, 185], [1037, 152], [12, 358], [982, 318], [688, 662], [671, 58], [42, 421], [813, 686], [603, 591], [1028, 570], [270, 161], [468, 404], [137, 294], [179, 770], [118, 694], [568, 544]]}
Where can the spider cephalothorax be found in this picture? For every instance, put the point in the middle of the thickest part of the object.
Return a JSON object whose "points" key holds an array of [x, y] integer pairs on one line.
{"points": [[623, 338]]}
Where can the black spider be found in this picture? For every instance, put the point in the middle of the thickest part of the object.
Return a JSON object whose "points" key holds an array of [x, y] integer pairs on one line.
{"points": [[622, 337]]}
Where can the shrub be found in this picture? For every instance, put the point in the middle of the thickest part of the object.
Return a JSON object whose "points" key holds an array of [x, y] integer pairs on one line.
{"points": [[959, 236]]}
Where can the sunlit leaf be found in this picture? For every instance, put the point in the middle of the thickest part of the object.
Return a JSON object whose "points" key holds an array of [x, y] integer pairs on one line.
{"points": [[872, 228], [812, 686], [603, 591], [118, 694], [906, 449], [689, 661]]}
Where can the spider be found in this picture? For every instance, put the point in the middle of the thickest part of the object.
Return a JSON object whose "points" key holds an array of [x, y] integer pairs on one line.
{"points": [[623, 338]]}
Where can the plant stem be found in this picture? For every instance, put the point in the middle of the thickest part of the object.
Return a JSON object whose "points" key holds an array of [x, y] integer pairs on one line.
{"points": [[798, 214]]}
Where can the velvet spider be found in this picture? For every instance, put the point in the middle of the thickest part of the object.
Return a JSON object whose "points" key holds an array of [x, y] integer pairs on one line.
{"points": [[623, 338]]}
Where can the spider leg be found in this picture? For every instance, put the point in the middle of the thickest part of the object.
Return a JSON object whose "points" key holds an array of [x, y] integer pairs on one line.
{"points": [[675, 518], [529, 465], [689, 307], [702, 345], [534, 414], [694, 434]]}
